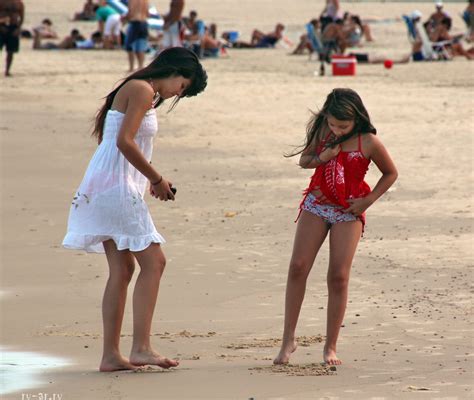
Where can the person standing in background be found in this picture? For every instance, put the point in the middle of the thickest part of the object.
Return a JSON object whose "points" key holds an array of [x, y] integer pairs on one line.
{"points": [[12, 15], [110, 25], [136, 38], [172, 26]]}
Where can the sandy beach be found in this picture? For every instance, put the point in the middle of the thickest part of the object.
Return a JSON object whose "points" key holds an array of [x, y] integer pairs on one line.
{"points": [[408, 327]]}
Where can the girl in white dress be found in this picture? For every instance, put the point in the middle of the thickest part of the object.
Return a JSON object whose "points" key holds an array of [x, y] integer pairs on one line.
{"points": [[108, 213]]}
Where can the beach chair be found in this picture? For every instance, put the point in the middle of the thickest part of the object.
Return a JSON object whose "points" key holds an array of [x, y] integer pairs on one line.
{"points": [[431, 50]]}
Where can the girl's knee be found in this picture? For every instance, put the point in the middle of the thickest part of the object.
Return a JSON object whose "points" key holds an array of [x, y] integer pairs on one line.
{"points": [[338, 282], [128, 271], [124, 274], [299, 269], [159, 264]]}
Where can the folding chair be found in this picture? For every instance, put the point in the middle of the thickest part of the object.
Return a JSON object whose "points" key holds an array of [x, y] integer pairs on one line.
{"points": [[431, 50]]}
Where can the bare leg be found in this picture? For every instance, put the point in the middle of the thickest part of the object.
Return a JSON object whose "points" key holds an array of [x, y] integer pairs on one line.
{"points": [[131, 60], [256, 36], [36, 39], [152, 263], [458, 50], [141, 59], [381, 60], [108, 42], [310, 234], [9, 63], [343, 241], [302, 45], [117, 41], [121, 267], [367, 32]]}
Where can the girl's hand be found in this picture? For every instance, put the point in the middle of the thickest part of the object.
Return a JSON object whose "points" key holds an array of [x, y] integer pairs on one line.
{"points": [[162, 190], [358, 206], [329, 153]]}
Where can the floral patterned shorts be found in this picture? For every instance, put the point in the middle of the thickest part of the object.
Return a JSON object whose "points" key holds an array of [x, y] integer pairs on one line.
{"points": [[330, 214]]}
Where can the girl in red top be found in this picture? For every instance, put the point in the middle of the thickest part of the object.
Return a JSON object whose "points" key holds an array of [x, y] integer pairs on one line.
{"points": [[340, 144]]}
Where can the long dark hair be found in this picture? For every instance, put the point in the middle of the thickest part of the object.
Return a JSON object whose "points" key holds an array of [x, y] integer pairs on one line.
{"points": [[341, 104], [175, 61]]}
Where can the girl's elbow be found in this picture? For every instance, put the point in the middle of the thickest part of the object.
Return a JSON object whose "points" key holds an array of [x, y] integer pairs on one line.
{"points": [[122, 145], [395, 175]]}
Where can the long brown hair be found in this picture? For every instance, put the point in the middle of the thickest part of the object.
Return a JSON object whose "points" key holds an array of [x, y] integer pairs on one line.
{"points": [[175, 61], [344, 105]]}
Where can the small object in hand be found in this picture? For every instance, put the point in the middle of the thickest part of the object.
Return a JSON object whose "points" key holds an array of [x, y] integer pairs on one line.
{"points": [[173, 189]]}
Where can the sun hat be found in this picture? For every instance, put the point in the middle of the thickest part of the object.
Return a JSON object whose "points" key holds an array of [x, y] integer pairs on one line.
{"points": [[416, 14]]}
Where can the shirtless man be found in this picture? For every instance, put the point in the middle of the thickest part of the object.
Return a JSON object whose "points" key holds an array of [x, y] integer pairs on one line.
{"points": [[12, 14], [136, 39], [172, 26]]}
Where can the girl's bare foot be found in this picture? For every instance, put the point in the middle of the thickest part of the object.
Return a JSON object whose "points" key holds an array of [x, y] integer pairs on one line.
{"points": [[330, 357], [116, 363], [283, 356], [150, 357]]}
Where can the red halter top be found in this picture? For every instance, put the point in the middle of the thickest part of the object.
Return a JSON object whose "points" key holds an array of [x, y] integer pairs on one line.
{"points": [[340, 179]]}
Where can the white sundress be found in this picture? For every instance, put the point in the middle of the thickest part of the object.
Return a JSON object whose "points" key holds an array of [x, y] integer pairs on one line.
{"points": [[109, 202]]}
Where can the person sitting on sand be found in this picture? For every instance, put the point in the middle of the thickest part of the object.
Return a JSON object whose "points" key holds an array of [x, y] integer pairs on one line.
{"points": [[352, 28], [45, 30], [263, 40], [333, 37], [67, 43], [211, 46], [94, 42], [367, 58], [193, 30], [305, 41], [87, 13], [355, 29], [190, 21], [455, 47], [75, 40]]}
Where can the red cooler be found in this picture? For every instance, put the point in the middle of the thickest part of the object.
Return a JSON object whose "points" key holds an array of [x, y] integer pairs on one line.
{"points": [[343, 65]]}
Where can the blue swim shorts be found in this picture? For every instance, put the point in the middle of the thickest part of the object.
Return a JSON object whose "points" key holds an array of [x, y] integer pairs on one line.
{"points": [[138, 46]]}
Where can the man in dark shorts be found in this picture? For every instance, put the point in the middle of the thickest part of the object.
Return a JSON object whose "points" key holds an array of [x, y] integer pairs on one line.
{"points": [[136, 39], [12, 14]]}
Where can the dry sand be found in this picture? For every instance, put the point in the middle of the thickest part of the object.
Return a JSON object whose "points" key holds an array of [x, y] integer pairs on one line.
{"points": [[408, 327]]}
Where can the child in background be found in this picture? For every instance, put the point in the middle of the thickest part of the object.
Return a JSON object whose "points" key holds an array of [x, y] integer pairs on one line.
{"points": [[340, 144], [108, 212]]}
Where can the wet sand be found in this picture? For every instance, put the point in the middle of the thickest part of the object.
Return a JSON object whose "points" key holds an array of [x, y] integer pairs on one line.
{"points": [[408, 327]]}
